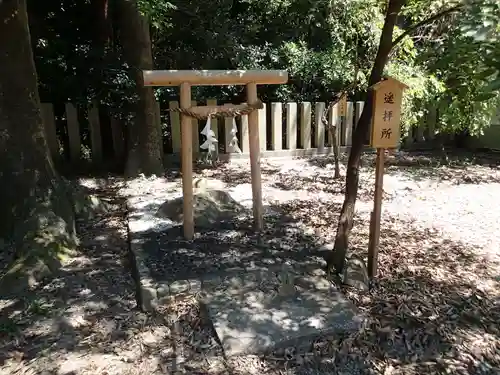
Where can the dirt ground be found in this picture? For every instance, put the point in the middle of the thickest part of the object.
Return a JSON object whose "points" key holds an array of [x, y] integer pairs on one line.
{"points": [[435, 307]]}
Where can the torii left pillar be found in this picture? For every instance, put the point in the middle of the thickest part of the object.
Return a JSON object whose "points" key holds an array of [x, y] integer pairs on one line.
{"points": [[187, 78]]}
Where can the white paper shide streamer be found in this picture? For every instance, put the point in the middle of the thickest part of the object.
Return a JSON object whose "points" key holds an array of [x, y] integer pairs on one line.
{"points": [[233, 143], [210, 143]]}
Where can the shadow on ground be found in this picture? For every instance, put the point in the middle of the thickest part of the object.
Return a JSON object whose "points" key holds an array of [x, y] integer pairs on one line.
{"points": [[434, 308], [223, 171], [461, 167], [71, 320], [228, 245]]}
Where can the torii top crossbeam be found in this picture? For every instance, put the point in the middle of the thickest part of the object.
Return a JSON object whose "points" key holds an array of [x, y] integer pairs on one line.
{"points": [[214, 77]]}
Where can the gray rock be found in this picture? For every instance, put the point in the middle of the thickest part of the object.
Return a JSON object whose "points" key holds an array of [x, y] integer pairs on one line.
{"points": [[163, 290], [204, 184], [148, 297], [180, 287], [210, 207], [356, 273]]}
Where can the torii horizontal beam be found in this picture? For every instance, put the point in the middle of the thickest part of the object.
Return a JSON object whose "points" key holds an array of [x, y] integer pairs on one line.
{"points": [[214, 77]]}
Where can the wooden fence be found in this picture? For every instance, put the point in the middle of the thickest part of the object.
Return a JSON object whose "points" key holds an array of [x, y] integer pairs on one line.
{"points": [[286, 129]]}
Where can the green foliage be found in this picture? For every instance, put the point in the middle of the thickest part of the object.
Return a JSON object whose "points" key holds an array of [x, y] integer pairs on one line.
{"points": [[159, 13], [326, 45], [419, 98]]}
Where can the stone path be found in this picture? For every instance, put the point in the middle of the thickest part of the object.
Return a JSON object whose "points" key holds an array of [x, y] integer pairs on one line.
{"points": [[251, 316], [255, 309], [263, 309], [256, 302]]}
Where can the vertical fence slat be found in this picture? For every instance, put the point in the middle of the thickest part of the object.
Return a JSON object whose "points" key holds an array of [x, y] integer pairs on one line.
{"points": [[291, 126], [196, 132], [263, 128], [320, 128], [214, 122], [277, 125], [357, 115], [431, 122], [50, 129], [117, 136], [245, 143], [409, 138], [305, 125], [73, 132], [158, 124], [348, 124], [359, 110], [95, 133], [336, 120], [420, 131], [175, 127], [331, 115]]}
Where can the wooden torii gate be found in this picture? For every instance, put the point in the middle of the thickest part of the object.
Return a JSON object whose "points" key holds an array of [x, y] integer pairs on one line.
{"points": [[187, 78]]}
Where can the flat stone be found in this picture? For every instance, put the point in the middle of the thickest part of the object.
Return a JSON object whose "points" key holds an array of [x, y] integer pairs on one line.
{"points": [[253, 312]]}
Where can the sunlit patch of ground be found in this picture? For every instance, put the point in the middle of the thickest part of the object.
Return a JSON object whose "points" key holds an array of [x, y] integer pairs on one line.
{"points": [[434, 309]]}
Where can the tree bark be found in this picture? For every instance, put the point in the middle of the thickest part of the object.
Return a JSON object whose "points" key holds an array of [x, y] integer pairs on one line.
{"points": [[36, 208], [336, 152], [332, 131], [336, 258], [101, 40], [144, 136]]}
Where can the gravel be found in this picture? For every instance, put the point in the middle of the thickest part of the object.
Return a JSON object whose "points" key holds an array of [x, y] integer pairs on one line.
{"points": [[439, 261]]}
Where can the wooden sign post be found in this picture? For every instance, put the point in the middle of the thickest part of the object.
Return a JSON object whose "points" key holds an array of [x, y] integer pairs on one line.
{"points": [[387, 98], [343, 105], [342, 113]]}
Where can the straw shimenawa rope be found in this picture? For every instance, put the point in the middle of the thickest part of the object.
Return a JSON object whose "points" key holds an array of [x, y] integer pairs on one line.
{"points": [[227, 110]]}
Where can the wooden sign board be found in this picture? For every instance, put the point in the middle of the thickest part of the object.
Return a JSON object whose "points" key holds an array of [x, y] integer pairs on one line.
{"points": [[343, 106], [387, 100]]}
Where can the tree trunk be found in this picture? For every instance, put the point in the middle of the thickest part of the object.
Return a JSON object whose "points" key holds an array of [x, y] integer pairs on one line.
{"points": [[144, 136], [336, 259], [332, 130], [101, 39], [335, 145], [36, 208]]}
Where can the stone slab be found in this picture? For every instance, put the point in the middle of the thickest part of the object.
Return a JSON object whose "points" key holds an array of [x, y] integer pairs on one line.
{"points": [[262, 310]]}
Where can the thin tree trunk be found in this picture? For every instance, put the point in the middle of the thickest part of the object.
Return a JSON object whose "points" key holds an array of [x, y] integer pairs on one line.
{"points": [[336, 258], [144, 136], [332, 130], [36, 208], [101, 39], [336, 152]]}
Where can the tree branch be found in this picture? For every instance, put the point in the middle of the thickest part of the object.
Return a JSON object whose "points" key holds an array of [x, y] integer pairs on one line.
{"points": [[426, 22], [336, 98]]}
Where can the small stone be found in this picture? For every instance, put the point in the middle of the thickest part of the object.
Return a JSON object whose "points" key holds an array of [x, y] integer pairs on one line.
{"points": [[147, 298], [180, 287], [356, 274], [195, 286], [163, 291], [326, 247], [309, 232]]}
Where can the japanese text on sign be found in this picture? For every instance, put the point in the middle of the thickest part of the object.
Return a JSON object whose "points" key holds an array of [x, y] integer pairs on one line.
{"points": [[343, 105], [386, 114]]}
